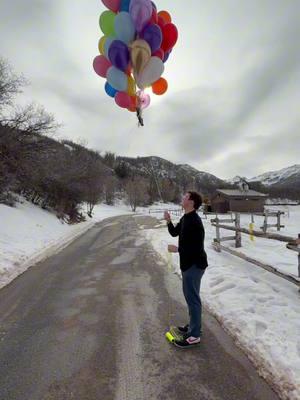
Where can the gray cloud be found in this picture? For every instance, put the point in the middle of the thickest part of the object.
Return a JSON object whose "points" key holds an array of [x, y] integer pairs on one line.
{"points": [[278, 60], [234, 81]]}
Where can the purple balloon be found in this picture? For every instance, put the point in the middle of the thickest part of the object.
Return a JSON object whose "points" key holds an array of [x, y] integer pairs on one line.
{"points": [[153, 35], [141, 12], [118, 55], [167, 55]]}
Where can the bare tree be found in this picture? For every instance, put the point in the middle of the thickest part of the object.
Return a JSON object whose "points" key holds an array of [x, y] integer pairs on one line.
{"points": [[95, 185], [169, 190], [10, 84], [110, 185], [94, 193], [136, 191], [31, 119]]}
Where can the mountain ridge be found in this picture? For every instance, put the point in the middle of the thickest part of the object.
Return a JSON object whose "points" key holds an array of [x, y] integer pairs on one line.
{"points": [[279, 177], [284, 182]]}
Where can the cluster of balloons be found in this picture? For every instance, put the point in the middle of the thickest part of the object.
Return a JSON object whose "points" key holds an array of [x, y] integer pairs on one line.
{"points": [[137, 42]]}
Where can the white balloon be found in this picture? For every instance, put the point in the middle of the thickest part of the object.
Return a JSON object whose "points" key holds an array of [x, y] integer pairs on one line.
{"points": [[151, 73]]}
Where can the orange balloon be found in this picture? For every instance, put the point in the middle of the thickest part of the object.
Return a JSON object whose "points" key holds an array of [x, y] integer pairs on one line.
{"points": [[165, 16], [160, 87]]}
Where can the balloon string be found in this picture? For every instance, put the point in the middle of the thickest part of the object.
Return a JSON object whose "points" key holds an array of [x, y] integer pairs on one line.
{"points": [[139, 116], [139, 111]]}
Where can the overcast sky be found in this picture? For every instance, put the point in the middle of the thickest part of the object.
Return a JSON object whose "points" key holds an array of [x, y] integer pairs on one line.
{"points": [[234, 81]]}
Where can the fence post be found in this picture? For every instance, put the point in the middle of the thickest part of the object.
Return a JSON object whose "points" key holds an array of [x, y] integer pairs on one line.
{"points": [[299, 260], [278, 220], [218, 235], [265, 227], [238, 235], [252, 218]]}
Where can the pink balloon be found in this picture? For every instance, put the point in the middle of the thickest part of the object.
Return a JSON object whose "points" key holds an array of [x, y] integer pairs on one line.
{"points": [[101, 65], [144, 99], [123, 99], [113, 5]]}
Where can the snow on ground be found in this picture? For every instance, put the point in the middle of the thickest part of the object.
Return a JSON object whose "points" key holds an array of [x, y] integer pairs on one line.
{"points": [[271, 252], [260, 310], [291, 220], [29, 234]]}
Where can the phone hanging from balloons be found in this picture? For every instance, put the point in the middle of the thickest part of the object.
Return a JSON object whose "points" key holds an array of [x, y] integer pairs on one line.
{"points": [[137, 42]]}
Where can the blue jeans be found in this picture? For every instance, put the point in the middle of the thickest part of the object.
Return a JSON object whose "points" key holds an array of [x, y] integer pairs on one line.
{"points": [[191, 280]]}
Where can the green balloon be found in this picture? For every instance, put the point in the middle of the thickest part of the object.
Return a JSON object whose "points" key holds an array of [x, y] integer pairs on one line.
{"points": [[107, 23]]}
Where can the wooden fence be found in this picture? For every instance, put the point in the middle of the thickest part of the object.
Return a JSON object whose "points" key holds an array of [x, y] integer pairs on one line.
{"points": [[176, 211], [268, 214], [292, 244]]}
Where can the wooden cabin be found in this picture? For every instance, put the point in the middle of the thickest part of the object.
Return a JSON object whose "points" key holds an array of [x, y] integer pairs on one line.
{"points": [[238, 200]]}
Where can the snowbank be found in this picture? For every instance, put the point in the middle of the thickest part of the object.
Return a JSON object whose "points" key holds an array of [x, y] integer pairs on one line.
{"points": [[29, 234], [260, 310]]}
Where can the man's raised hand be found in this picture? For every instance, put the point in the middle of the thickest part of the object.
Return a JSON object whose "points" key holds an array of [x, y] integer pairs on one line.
{"points": [[167, 216]]}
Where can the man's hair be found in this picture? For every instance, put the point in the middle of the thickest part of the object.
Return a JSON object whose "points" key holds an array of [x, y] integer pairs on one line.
{"points": [[197, 199]]}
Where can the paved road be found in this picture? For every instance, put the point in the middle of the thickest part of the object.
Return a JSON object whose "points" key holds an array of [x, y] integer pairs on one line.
{"points": [[89, 323]]}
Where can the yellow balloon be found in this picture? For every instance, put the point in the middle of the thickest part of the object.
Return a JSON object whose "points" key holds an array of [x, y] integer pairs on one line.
{"points": [[101, 45], [140, 55], [131, 86]]}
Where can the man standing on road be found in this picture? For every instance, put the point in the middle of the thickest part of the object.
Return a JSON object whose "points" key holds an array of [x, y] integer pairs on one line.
{"points": [[193, 262]]}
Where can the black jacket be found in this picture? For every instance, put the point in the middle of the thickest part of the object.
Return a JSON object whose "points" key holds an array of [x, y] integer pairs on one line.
{"points": [[191, 241]]}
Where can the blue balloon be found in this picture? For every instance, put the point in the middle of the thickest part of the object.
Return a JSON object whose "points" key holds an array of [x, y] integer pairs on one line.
{"points": [[107, 44], [125, 5], [124, 27], [117, 79], [110, 90]]}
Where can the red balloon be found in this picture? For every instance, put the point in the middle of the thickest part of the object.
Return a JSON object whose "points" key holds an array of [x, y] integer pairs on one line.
{"points": [[170, 36], [154, 17], [159, 53], [161, 22]]}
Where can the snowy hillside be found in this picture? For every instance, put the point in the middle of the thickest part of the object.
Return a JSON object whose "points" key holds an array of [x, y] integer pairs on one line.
{"points": [[283, 177], [287, 180], [200, 175], [166, 169]]}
